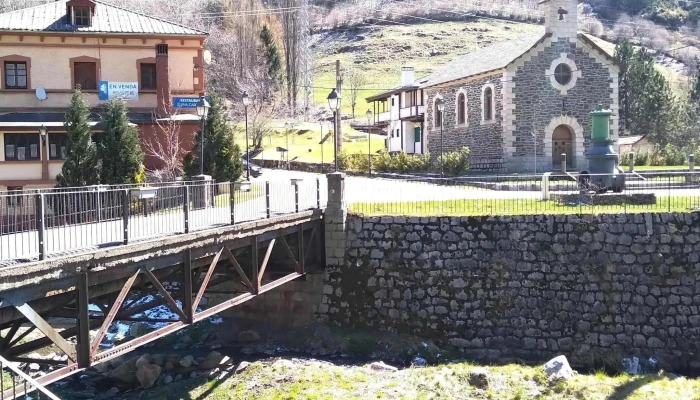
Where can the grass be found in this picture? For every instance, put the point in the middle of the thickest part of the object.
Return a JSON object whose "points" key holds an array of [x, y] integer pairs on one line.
{"points": [[304, 144], [474, 207], [640, 168], [281, 379]]}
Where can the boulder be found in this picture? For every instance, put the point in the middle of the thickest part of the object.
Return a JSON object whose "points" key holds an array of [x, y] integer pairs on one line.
{"points": [[159, 359], [212, 361], [558, 368], [102, 368], [479, 378], [168, 379], [147, 374], [186, 362], [125, 372], [419, 362], [248, 336], [168, 366], [138, 329], [381, 367], [144, 360], [241, 367]]}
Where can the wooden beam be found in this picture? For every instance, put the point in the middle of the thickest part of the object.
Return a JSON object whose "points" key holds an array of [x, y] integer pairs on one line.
{"points": [[238, 268], [112, 313], [168, 299], [21, 336], [10, 335], [255, 264], [205, 281], [187, 286], [47, 330], [266, 259], [300, 248]]}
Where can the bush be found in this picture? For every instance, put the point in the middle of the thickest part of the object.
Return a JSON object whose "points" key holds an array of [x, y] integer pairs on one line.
{"points": [[454, 163]]}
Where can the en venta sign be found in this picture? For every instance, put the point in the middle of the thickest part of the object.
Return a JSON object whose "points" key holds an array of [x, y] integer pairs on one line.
{"points": [[118, 90]]}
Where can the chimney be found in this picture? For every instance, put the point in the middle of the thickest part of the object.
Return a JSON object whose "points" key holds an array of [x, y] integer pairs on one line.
{"points": [[408, 76], [163, 80], [561, 17]]}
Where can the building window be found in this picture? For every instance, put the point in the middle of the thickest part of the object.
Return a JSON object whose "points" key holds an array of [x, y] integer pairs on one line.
{"points": [[15, 198], [562, 74], [58, 145], [392, 101], [488, 104], [85, 75], [81, 16], [15, 75], [461, 109], [21, 147], [438, 116], [148, 77]]}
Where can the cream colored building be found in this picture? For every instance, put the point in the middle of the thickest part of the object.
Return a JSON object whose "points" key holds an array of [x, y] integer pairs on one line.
{"points": [[45, 51]]}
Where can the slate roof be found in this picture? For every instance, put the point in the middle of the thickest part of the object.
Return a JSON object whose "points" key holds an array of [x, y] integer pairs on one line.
{"points": [[51, 17], [629, 140], [485, 59], [387, 94]]}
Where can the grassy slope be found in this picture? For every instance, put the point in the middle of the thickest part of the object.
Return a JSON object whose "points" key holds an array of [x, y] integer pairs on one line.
{"points": [[284, 379]]}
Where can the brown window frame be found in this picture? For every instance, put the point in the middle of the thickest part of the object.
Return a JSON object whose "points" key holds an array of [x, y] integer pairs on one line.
{"points": [[60, 141], [139, 64], [14, 59], [26, 139], [85, 20], [85, 59], [16, 73]]}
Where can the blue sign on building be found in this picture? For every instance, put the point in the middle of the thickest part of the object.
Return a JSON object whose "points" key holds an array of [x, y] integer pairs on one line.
{"points": [[112, 90], [187, 102]]}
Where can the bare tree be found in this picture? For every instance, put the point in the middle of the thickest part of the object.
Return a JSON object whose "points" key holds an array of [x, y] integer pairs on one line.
{"points": [[165, 146], [355, 80]]}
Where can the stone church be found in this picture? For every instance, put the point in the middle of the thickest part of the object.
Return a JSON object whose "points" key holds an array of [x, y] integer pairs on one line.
{"points": [[524, 102]]}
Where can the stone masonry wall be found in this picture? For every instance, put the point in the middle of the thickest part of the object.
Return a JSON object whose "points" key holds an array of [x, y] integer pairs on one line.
{"points": [[484, 140], [526, 286]]}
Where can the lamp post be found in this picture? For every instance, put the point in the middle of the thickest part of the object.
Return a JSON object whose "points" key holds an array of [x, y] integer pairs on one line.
{"points": [[323, 165], [334, 105], [203, 111], [246, 103], [287, 127], [441, 109], [369, 141]]}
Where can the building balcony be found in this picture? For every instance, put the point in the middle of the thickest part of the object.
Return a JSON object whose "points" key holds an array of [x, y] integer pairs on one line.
{"points": [[382, 118], [412, 112]]}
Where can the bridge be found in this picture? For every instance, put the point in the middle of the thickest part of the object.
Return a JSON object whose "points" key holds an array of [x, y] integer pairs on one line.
{"points": [[93, 255]]}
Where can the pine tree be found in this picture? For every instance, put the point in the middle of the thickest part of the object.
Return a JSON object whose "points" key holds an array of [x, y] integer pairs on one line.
{"points": [[120, 150], [623, 55], [222, 157], [81, 165], [695, 88], [271, 54]]}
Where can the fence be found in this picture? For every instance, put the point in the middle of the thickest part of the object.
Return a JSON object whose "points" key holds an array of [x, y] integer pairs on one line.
{"points": [[35, 224], [15, 384], [533, 194]]}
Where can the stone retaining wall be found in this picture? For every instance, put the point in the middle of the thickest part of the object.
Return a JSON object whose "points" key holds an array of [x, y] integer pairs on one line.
{"points": [[526, 286]]}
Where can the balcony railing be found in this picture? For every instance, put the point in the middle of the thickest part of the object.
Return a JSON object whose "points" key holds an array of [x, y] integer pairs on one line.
{"points": [[382, 117], [412, 111]]}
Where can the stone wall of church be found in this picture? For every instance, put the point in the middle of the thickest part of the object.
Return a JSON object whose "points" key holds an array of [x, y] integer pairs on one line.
{"points": [[537, 102], [485, 140]]}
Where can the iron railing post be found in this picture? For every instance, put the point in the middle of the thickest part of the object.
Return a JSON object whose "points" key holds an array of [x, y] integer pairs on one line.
{"points": [[318, 193], [126, 211], [296, 197], [232, 190], [40, 224], [267, 198], [186, 208]]}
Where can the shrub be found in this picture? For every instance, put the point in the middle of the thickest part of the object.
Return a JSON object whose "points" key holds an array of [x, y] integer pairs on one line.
{"points": [[454, 163], [592, 25]]}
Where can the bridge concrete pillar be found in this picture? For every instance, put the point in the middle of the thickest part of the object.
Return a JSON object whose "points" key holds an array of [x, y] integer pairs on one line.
{"points": [[335, 220]]}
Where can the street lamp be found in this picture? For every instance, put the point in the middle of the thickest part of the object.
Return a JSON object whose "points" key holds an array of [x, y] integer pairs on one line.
{"points": [[43, 131], [369, 141], [323, 165], [334, 105], [246, 103], [441, 109], [203, 111]]}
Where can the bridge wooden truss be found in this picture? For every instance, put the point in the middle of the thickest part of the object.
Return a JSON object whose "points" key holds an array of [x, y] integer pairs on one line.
{"points": [[236, 263]]}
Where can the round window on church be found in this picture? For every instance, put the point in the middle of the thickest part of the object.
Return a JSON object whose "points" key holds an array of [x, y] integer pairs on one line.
{"points": [[562, 74]]}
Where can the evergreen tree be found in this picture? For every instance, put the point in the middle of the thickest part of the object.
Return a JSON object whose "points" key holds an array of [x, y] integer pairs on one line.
{"points": [[222, 157], [81, 165], [271, 54], [623, 55], [695, 88], [120, 150]]}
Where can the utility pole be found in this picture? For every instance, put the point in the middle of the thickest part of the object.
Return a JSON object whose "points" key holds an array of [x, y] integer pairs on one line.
{"points": [[339, 120]]}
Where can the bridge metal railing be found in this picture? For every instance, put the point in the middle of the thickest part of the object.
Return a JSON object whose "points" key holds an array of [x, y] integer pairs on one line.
{"points": [[15, 384], [38, 224]]}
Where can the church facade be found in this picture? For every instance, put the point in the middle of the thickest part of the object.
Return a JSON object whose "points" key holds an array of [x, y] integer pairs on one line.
{"points": [[520, 105]]}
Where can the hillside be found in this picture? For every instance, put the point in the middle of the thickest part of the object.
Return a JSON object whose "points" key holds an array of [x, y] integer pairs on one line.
{"points": [[379, 52]]}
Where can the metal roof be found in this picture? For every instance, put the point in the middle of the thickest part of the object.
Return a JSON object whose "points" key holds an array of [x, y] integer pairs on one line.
{"points": [[51, 17], [485, 59]]}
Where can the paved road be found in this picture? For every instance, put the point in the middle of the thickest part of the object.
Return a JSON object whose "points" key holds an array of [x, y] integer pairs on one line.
{"points": [[282, 201]]}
